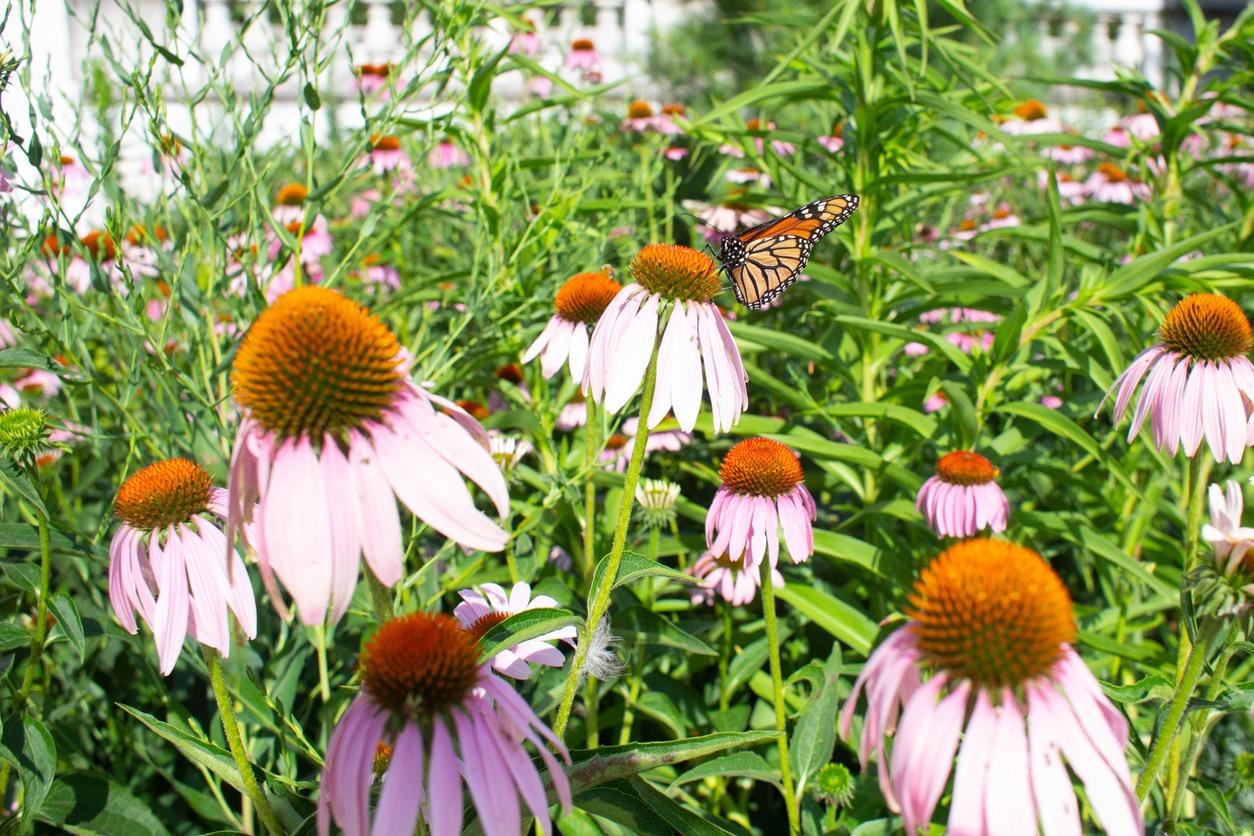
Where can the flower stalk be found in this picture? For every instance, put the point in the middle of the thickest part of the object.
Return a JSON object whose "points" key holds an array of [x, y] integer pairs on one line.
{"points": [[601, 595], [777, 684], [226, 710]]}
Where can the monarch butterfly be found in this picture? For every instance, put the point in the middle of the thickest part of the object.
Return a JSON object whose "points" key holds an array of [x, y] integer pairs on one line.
{"points": [[764, 260]]}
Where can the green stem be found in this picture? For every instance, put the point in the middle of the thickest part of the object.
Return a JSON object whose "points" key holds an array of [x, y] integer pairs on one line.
{"points": [[777, 683], [1175, 709], [226, 710], [601, 595], [724, 690], [1200, 723], [591, 692], [40, 634], [590, 450], [638, 658], [320, 645], [380, 597]]}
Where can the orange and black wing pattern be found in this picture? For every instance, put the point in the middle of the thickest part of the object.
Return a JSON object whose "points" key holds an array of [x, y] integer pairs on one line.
{"points": [[764, 260]]}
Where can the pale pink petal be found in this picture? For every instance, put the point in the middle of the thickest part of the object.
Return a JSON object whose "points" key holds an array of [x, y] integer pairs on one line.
{"points": [[170, 620], [374, 504], [1192, 419], [686, 375], [1051, 784], [1008, 798], [342, 514], [966, 809], [558, 349], [632, 354], [401, 795], [207, 589], [444, 784], [119, 582], [297, 531], [542, 340], [578, 352]]}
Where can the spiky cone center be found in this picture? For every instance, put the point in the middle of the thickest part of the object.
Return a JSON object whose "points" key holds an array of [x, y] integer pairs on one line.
{"points": [[582, 45], [991, 612], [100, 245], [1000, 214], [1207, 326], [293, 194], [376, 70], [617, 441], [385, 142], [585, 296], [1112, 173], [481, 625], [511, 372], [314, 363], [676, 272], [163, 494], [475, 409], [755, 125], [639, 110], [420, 664], [761, 467], [1031, 110], [968, 225], [673, 109], [66, 159], [963, 467], [52, 246]]}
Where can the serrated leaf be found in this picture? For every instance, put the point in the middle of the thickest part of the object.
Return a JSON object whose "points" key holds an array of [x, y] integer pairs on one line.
{"points": [[68, 619], [528, 624], [89, 805], [27, 745], [846, 623]]}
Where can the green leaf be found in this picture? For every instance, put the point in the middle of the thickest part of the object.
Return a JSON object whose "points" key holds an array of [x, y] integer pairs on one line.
{"points": [[23, 536], [779, 341], [962, 413], [68, 619], [1053, 421], [640, 623], [89, 805], [848, 549], [201, 752], [20, 484], [995, 269], [680, 818], [814, 736], [621, 804], [844, 622], [27, 745], [528, 624], [593, 767], [23, 358], [13, 636], [634, 566], [311, 96], [901, 332], [1140, 271], [741, 764], [780, 90], [481, 83]]}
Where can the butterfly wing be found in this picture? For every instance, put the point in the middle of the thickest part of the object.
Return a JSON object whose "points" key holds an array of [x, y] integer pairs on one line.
{"points": [[767, 258]]}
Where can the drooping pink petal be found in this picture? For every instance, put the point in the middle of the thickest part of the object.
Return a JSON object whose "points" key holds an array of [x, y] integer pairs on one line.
{"points": [[1008, 799], [1051, 784], [378, 522], [342, 515], [297, 531], [401, 795], [170, 619], [119, 580], [541, 341], [632, 355], [558, 349], [578, 352], [444, 784], [966, 809]]}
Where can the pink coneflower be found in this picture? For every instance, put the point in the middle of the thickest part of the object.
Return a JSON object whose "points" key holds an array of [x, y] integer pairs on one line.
{"points": [[934, 402], [640, 118], [1068, 154], [1200, 383], [168, 561], [963, 498], [71, 177], [115, 262], [488, 604], [748, 174], [695, 336], [666, 123], [834, 141], [39, 383], [620, 446], [446, 154], [1070, 189], [525, 41], [578, 304], [540, 86], [386, 155], [762, 491], [675, 153], [728, 579], [779, 146], [583, 56], [440, 720], [373, 78], [1002, 217], [573, 414], [379, 273], [1111, 184], [725, 218], [1051, 402], [314, 240], [1031, 117], [986, 657], [1142, 125], [289, 203], [333, 432], [1232, 542]]}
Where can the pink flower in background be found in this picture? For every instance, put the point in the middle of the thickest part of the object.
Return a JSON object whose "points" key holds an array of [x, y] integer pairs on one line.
{"points": [[674, 153], [666, 123], [620, 447], [1232, 542], [289, 203], [373, 78], [1068, 154], [984, 670], [1111, 184], [488, 604], [1142, 126], [361, 204], [379, 273], [728, 579], [446, 154], [963, 498], [1001, 218], [1200, 382], [333, 432], [525, 41], [1118, 136], [168, 561], [431, 719], [583, 56], [39, 383], [763, 491], [749, 174], [836, 140], [314, 240], [560, 558], [695, 337], [386, 155], [578, 304], [70, 178], [1051, 402], [779, 146], [934, 402], [1070, 190], [8, 336], [725, 218], [915, 349], [540, 86], [573, 414], [1031, 117]]}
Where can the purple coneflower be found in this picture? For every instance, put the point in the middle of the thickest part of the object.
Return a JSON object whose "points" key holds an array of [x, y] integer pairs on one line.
{"points": [[963, 498], [333, 432], [446, 154], [488, 604], [578, 304], [1232, 542], [583, 56], [440, 720], [695, 336], [1031, 117], [373, 78], [168, 561], [1111, 184], [729, 579], [386, 155], [986, 658], [1200, 382], [763, 491]]}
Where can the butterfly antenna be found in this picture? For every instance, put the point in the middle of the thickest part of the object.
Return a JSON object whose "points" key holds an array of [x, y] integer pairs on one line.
{"points": [[698, 220]]}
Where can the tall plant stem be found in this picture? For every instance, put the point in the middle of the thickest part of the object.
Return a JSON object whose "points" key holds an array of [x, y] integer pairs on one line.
{"points": [[1200, 724], [590, 448], [601, 595], [1175, 709], [40, 634], [777, 683], [226, 710], [636, 677]]}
